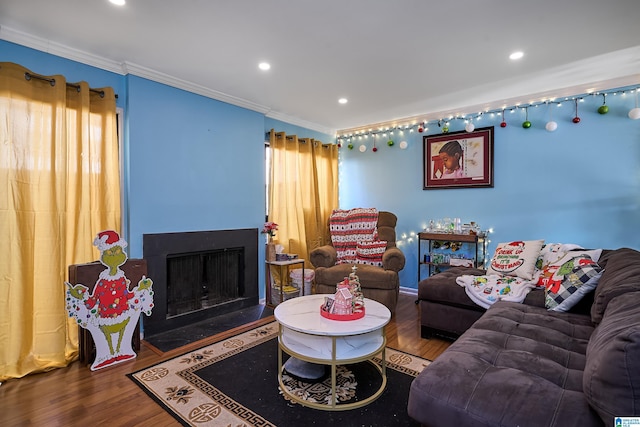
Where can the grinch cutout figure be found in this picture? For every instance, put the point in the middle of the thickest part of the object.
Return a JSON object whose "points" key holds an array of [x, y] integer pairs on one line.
{"points": [[112, 311]]}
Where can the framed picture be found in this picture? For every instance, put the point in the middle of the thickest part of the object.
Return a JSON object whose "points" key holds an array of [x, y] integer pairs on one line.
{"points": [[458, 159]]}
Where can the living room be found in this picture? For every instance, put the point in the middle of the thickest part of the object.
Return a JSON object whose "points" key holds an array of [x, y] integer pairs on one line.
{"points": [[193, 162]]}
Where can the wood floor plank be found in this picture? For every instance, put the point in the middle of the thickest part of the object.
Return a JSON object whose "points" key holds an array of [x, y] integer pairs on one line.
{"points": [[76, 396]]}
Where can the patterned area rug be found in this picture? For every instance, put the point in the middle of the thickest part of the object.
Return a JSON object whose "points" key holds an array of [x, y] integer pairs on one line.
{"points": [[234, 383]]}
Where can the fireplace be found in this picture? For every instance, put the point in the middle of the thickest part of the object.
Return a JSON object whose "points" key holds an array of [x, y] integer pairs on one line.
{"points": [[199, 275]]}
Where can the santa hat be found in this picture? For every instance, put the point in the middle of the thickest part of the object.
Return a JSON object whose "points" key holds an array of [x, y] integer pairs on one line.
{"points": [[108, 239]]}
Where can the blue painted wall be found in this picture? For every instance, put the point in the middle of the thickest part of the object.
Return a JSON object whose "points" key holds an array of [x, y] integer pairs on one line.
{"points": [[579, 184], [194, 163], [190, 162]]}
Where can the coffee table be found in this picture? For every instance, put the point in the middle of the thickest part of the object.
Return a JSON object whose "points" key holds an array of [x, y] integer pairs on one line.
{"points": [[306, 335]]}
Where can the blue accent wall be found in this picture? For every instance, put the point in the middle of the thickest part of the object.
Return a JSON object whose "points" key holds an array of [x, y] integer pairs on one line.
{"points": [[195, 163], [579, 184]]}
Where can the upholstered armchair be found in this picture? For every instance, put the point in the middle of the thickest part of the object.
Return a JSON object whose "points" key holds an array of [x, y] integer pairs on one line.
{"points": [[378, 283]]}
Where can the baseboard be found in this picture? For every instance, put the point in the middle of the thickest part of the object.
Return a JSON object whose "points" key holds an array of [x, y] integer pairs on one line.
{"points": [[409, 291]]}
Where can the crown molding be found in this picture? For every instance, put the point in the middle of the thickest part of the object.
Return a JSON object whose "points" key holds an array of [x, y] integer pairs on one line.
{"points": [[58, 49], [157, 76], [612, 70], [124, 68], [299, 122]]}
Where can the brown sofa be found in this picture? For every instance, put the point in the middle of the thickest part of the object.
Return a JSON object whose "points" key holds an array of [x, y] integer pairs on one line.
{"points": [[522, 365], [378, 283]]}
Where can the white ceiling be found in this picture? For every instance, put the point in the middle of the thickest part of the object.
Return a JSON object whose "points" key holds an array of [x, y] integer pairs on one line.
{"points": [[392, 59]]}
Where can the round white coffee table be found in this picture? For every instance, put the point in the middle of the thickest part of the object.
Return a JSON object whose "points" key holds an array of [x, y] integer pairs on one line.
{"points": [[306, 335]]}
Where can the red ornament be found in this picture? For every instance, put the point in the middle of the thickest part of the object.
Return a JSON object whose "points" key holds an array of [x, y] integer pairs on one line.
{"points": [[339, 145], [576, 119], [420, 129], [503, 124], [375, 149]]}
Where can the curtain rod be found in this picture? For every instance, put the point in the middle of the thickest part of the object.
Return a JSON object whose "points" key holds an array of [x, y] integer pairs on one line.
{"points": [[300, 140], [52, 81]]}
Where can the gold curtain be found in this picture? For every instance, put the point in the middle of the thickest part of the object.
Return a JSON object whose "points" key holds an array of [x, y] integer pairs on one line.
{"points": [[303, 191], [59, 186]]}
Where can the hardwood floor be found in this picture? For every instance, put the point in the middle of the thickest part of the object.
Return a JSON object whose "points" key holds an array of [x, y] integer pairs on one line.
{"points": [[76, 396]]}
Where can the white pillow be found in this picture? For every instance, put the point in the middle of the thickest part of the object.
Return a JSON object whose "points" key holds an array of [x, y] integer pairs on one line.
{"points": [[516, 258]]}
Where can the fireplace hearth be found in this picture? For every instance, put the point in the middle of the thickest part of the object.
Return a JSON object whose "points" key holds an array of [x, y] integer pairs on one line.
{"points": [[200, 275]]}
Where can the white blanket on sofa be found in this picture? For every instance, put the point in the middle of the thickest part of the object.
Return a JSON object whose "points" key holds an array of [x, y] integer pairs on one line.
{"points": [[485, 290]]}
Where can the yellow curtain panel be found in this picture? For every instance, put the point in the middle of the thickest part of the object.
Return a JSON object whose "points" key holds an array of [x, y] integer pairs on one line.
{"points": [[59, 186], [303, 191]]}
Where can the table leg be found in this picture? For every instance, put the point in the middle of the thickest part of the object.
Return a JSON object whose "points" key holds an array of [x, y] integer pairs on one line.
{"points": [[334, 397]]}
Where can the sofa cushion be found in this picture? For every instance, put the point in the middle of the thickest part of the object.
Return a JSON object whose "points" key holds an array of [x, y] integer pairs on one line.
{"points": [[621, 275], [612, 373], [516, 258], [442, 288], [517, 365]]}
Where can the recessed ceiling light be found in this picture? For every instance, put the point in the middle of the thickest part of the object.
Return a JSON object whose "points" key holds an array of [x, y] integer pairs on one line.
{"points": [[343, 100], [516, 55], [264, 66], [118, 2]]}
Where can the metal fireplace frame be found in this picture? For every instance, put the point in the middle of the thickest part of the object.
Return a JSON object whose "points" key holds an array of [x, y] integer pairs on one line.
{"points": [[158, 247]]}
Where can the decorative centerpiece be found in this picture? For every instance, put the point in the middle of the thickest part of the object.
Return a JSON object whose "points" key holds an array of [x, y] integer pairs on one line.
{"points": [[348, 301]]}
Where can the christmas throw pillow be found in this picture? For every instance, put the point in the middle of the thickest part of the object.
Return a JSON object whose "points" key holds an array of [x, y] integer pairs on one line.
{"points": [[577, 277], [370, 252], [516, 259], [551, 275]]}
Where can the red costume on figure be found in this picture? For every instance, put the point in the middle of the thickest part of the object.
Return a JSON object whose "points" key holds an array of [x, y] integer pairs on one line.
{"points": [[112, 297]]}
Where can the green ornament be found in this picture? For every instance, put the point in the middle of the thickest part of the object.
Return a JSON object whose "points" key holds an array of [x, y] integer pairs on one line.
{"points": [[445, 129], [350, 146], [526, 124], [390, 143], [603, 109]]}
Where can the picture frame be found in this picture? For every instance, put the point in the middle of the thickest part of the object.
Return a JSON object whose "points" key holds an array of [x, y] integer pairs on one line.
{"points": [[458, 159]]}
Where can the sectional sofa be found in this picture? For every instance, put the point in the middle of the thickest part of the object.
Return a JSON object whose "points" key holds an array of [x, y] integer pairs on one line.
{"points": [[520, 364]]}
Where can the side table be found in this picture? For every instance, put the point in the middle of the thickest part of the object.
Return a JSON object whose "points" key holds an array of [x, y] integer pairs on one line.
{"points": [[283, 271]]}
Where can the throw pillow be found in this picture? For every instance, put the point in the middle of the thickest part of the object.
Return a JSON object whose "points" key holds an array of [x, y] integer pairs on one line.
{"points": [[611, 377], [550, 275], [370, 252], [516, 258], [552, 253], [580, 276]]}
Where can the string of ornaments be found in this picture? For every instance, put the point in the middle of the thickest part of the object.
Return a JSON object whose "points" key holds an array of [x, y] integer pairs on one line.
{"points": [[551, 125]]}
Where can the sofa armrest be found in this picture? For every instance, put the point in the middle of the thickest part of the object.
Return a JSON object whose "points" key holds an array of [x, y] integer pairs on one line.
{"points": [[324, 256], [393, 259]]}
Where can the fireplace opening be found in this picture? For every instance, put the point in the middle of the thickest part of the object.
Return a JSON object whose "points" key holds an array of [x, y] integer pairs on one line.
{"points": [[197, 281], [199, 275]]}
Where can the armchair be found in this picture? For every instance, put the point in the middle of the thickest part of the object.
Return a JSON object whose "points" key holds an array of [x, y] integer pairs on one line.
{"points": [[378, 283]]}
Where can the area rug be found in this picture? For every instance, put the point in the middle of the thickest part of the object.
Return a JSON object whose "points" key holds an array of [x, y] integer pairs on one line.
{"points": [[234, 383]]}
